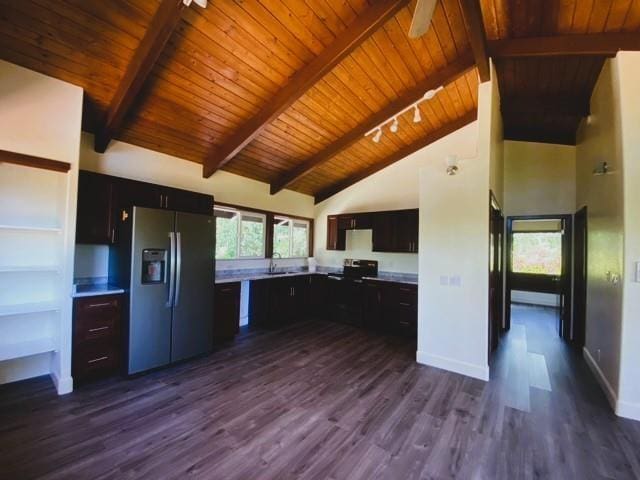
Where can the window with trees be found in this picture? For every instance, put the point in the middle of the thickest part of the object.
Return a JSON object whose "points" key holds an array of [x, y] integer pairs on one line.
{"points": [[290, 237], [239, 234]]}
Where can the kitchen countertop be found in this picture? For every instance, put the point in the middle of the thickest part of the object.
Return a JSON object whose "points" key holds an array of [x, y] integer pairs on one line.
{"points": [[95, 290], [382, 277]]}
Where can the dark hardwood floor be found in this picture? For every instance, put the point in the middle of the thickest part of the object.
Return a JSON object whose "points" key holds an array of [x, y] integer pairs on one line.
{"points": [[327, 401]]}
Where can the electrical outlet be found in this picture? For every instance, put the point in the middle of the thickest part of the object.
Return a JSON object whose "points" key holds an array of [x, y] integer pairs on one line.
{"points": [[637, 270], [444, 280], [455, 281]]}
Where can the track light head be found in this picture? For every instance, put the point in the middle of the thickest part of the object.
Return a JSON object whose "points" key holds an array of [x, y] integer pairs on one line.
{"points": [[417, 118], [432, 93], [394, 125], [377, 136]]}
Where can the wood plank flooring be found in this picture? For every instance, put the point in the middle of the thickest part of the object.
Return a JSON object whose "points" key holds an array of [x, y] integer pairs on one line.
{"points": [[320, 400]]}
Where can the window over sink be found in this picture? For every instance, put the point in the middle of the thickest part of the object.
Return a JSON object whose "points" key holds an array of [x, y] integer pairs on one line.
{"points": [[239, 234], [290, 237]]}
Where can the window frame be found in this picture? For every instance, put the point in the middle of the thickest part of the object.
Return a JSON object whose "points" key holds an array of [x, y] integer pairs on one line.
{"points": [[240, 214], [269, 215], [292, 221]]}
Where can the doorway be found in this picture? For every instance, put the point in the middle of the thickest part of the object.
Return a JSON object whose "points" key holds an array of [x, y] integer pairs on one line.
{"points": [[578, 334], [496, 278], [539, 250]]}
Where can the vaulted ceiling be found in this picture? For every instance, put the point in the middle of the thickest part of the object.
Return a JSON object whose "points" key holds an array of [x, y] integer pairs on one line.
{"points": [[283, 91]]}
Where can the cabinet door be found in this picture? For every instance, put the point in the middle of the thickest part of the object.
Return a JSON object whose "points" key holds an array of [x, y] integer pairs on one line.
{"points": [[316, 301], [383, 232], [280, 302], [336, 237], [403, 232], [346, 222], [141, 194], [226, 320], [259, 302], [373, 306], [189, 202], [96, 209]]}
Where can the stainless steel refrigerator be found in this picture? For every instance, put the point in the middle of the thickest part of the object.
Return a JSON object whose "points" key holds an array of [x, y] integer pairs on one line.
{"points": [[172, 287]]}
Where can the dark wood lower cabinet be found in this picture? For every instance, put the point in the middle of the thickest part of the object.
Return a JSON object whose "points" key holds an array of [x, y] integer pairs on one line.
{"points": [[387, 307], [97, 342], [226, 320]]}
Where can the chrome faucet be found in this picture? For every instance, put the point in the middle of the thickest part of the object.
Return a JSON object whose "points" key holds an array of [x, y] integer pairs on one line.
{"points": [[272, 265]]}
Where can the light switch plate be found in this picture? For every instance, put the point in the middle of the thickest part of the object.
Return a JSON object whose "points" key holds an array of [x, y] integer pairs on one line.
{"points": [[444, 280], [455, 281], [637, 275]]}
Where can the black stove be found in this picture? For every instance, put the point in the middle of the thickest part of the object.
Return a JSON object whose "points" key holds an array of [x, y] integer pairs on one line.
{"points": [[346, 290]]}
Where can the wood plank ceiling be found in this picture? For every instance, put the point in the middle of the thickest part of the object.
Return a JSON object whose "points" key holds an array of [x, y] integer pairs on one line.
{"points": [[224, 65]]}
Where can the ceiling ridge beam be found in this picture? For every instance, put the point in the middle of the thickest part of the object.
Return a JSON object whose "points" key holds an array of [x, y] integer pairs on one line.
{"points": [[404, 152], [573, 106], [592, 44], [355, 34], [472, 14], [444, 76], [162, 25]]}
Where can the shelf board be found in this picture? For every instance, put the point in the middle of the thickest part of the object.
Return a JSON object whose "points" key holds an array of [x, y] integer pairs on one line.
{"points": [[9, 351], [26, 308], [29, 268], [27, 228], [33, 161]]}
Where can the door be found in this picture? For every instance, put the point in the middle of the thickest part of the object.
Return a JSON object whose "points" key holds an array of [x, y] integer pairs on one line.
{"points": [[152, 253], [580, 277], [539, 261], [194, 286]]}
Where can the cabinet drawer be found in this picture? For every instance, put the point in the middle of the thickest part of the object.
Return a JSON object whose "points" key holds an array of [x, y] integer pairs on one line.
{"points": [[96, 317], [95, 358]]}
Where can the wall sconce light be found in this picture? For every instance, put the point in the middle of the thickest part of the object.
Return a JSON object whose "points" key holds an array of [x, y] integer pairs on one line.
{"points": [[452, 165]]}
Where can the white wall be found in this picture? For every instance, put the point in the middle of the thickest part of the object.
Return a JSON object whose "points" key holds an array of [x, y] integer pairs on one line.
{"points": [[613, 308], [393, 188], [629, 389], [42, 116], [137, 163], [453, 302], [539, 179]]}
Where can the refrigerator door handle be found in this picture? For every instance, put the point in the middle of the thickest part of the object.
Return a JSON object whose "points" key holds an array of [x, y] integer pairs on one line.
{"points": [[178, 268], [172, 262]]}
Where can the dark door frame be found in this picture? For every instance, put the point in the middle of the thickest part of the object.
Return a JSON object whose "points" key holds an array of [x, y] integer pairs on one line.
{"points": [[579, 325], [496, 272], [564, 328]]}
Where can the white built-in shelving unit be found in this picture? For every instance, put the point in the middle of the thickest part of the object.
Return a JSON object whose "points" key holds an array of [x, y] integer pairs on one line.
{"points": [[31, 259]]}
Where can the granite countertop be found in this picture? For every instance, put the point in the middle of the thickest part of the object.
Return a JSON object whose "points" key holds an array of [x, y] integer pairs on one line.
{"points": [[93, 290], [382, 276], [238, 277]]}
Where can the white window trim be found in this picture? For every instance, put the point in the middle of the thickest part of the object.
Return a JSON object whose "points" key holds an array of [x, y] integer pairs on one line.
{"points": [[240, 214]]}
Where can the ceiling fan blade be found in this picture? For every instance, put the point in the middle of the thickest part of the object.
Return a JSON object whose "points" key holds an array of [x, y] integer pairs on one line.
{"points": [[422, 18]]}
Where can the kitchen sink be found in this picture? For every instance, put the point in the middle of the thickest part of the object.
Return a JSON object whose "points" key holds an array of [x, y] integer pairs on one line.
{"points": [[279, 273]]}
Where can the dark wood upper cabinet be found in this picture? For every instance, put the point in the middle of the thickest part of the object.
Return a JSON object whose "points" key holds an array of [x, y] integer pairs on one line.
{"points": [[336, 237], [97, 209], [393, 231], [101, 198]]}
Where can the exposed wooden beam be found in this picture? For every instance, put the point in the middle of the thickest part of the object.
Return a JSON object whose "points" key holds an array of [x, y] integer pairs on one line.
{"points": [[605, 44], [545, 104], [32, 161], [447, 75], [361, 29], [399, 155], [160, 29], [477, 36]]}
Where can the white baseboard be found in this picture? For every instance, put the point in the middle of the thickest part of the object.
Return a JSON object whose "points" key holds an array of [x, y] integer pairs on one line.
{"points": [[480, 372], [628, 410], [611, 395], [63, 385]]}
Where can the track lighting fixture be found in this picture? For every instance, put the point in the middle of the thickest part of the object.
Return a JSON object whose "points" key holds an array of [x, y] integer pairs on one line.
{"points": [[200, 3], [417, 118], [395, 125]]}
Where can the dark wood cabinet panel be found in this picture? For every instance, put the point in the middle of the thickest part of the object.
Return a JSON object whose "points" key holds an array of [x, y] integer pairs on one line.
{"points": [[96, 336], [226, 320], [395, 231], [315, 301], [336, 237], [97, 209], [259, 302], [101, 198]]}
